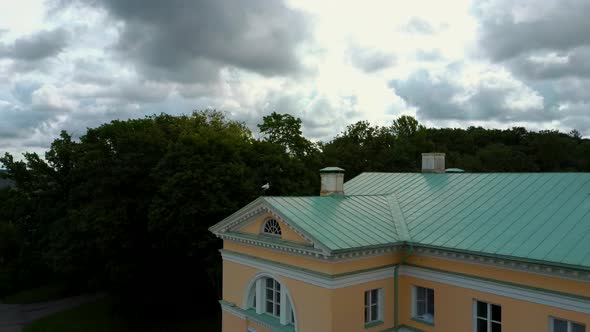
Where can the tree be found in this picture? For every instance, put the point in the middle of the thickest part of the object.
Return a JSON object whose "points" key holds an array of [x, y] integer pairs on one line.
{"points": [[285, 130]]}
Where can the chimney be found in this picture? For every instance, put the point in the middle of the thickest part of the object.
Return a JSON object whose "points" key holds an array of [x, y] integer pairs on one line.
{"points": [[332, 181], [433, 162]]}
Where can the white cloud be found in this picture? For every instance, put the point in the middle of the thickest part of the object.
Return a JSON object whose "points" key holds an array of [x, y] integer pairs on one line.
{"points": [[444, 58]]}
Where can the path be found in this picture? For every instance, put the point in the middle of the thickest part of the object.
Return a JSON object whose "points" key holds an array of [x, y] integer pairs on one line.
{"points": [[14, 316]]}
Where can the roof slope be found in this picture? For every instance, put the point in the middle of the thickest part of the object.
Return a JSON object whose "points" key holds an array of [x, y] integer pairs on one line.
{"points": [[340, 222], [537, 216], [531, 216]]}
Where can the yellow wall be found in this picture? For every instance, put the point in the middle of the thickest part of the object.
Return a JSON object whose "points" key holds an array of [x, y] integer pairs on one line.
{"points": [[348, 306], [316, 264], [288, 234], [232, 323], [320, 309], [257, 326], [523, 278], [316, 308], [453, 309], [312, 304]]}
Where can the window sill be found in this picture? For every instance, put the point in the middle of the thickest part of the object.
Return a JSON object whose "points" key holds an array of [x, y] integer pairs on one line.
{"points": [[423, 321], [268, 321], [374, 323]]}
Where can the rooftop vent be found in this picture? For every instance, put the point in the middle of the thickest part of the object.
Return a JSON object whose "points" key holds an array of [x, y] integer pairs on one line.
{"points": [[332, 181], [433, 162]]}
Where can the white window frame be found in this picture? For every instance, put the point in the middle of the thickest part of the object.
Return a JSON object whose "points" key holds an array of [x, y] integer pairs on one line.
{"points": [[257, 293], [415, 304], [569, 324], [378, 303], [275, 289], [489, 315], [278, 227]]}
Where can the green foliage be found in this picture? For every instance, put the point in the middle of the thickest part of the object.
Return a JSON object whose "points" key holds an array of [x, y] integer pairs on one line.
{"points": [[285, 130], [127, 207]]}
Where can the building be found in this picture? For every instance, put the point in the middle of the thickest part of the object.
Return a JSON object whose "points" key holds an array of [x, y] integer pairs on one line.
{"points": [[439, 250]]}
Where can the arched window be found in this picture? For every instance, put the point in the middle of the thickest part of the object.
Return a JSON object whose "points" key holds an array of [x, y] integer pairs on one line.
{"points": [[267, 295], [271, 226]]}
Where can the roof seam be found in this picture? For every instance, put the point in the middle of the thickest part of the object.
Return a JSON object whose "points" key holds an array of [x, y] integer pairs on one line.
{"points": [[398, 218]]}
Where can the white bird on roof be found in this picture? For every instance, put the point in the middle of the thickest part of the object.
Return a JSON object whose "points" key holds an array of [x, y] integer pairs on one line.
{"points": [[266, 186]]}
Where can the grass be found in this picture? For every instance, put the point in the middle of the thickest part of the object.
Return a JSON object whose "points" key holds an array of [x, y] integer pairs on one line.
{"points": [[100, 317], [40, 294]]}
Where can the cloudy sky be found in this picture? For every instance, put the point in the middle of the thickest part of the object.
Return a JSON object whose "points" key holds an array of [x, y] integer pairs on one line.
{"points": [[73, 64]]}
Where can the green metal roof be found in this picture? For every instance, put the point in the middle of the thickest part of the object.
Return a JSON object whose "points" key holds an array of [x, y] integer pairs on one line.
{"points": [[531, 216], [340, 222], [536, 216]]}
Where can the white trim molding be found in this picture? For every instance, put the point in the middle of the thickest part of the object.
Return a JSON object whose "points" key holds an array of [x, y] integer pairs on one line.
{"points": [[233, 310], [508, 264], [502, 289], [554, 299], [309, 277]]}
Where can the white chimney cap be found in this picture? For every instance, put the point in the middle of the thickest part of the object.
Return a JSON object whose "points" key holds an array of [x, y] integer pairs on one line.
{"points": [[332, 180], [433, 162], [332, 170]]}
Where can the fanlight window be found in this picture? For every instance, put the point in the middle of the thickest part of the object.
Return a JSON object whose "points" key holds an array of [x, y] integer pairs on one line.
{"points": [[267, 296], [271, 226]]}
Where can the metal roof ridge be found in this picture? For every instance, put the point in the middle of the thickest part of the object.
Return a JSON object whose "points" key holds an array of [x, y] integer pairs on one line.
{"points": [[397, 216]]}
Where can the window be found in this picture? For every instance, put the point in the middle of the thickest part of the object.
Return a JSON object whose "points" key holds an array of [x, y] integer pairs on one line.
{"points": [[562, 325], [252, 298], [271, 226], [423, 304], [267, 296], [273, 297], [373, 305], [488, 317]]}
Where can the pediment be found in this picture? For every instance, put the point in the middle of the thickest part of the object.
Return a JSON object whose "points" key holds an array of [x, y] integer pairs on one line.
{"points": [[256, 225], [249, 222]]}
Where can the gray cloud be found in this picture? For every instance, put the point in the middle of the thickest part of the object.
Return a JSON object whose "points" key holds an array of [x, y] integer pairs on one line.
{"points": [[570, 90], [23, 91], [510, 28], [491, 98], [38, 46], [92, 72], [417, 25], [547, 66], [17, 122], [188, 41], [370, 60]]}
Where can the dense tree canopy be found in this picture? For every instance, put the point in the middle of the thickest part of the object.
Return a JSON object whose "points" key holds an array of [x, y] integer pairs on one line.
{"points": [[126, 207]]}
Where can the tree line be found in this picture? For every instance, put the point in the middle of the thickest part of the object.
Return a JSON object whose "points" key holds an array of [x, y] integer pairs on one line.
{"points": [[126, 207]]}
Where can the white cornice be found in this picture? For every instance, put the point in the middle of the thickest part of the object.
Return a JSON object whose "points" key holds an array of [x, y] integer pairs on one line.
{"points": [[512, 291], [508, 264], [260, 242], [310, 251], [513, 265], [308, 277], [554, 299], [234, 310]]}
